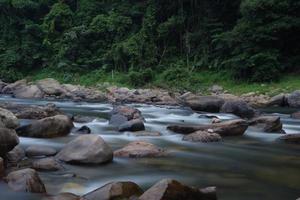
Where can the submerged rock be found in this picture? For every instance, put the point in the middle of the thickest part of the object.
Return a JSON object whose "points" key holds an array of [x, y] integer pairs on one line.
{"points": [[83, 130], [202, 136], [25, 180], [86, 149], [145, 133], [290, 138], [46, 164], [239, 108], [115, 190], [139, 149], [132, 125], [269, 124], [56, 126], [40, 151], [8, 119], [8, 140], [168, 189], [227, 128]]}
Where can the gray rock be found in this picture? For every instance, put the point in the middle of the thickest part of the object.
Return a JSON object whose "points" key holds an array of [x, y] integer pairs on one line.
{"points": [[8, 119], [278, 100], [132, 125], [15, 155], [8, 140], [239, 108], [2, 169], [86, 149], [145, 133], [205, 103], [83, 130], [202, 136], [25, 180], [56, 126], [293, 99], [296, 115], [269, 124], [46, 164], [122, 114], [51, 87], [290, 138], [40, 151], [28, 92]]}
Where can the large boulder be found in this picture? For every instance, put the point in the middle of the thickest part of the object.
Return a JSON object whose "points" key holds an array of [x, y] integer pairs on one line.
{"points": [[9, 89], [28, 92], [239, 108], [296, 115], [168, 189], [8, 140], [293, 99], [278, 100], [269, 124], [46, 164], [51, 87], [62, 196], [132, 125], [114, 191], [204, 103], [202, 136], [140, 149], [227, 128], [122, 114], [56, 126], [40, 151], [8, 119], [25, 180], [86, 149], [290, 138]]}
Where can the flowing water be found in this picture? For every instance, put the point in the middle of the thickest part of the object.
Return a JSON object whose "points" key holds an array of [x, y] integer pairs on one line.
{"points": [[250, 167]]}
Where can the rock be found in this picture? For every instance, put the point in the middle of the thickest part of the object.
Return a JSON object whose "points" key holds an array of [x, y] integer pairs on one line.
{"points": [[202, 136], [216, 120], [269, 124], [290, 138], [115, 190], [56, 126], [40, 151], [216, 89], [132, 125], [122, 114], [168, 189], [25, 180], [145, 133], [83, 130], [293, 99], [2, 169], [139, 149], [62, 196], [278, 100], [2, 85], [227, 128], [239, 108], [8, 140], [51, 87], [15, 155], [205, 103], [28, 92], [46, 164], [296, 115], [81, 93], [209, 193], [8, 119], [9, 89], [86, 149], [83, 119]]}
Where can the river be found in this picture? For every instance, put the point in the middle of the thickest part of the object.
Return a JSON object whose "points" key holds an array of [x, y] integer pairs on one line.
{"points": [[250, 167]]}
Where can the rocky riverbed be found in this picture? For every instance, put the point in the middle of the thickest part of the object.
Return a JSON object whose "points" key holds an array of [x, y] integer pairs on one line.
{"points": [[172, 146]]}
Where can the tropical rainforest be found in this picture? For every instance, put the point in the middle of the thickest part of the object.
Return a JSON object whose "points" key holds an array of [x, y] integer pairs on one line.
{"points": [[146, 40]]}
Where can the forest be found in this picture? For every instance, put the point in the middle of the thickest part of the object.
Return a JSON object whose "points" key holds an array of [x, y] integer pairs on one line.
{"points": [[148, 40]]}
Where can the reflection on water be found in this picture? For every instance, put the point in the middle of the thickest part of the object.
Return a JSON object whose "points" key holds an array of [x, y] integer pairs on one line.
{"points": [[249, 167]]}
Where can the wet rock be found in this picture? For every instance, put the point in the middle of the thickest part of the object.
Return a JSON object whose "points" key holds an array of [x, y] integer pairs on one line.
{"points": [[86, 149], [56, 126], [40, 151], [8, 140], [14, 86], [145, 133], [296, 115], [51, 87], [83, 119], [293, 99], [28, 92], [269, 124], [202, 136], [62, 196], [15, 155], [227, 128], [168, 189], [216, 120], [278, 100], [239, 108], [25, 180], [2, 169], [132, 125], [204, 103], [83, 130], [8, 119], [290, 138], [122, 114], [46, 164], [115, 190], [139, 149]]}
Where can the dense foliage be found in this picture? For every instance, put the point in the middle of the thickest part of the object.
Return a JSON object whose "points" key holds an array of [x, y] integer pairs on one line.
{"points": [[254, 40]]}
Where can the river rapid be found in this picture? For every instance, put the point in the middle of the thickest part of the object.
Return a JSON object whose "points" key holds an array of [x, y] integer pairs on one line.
{"points": [[249, 167]]}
